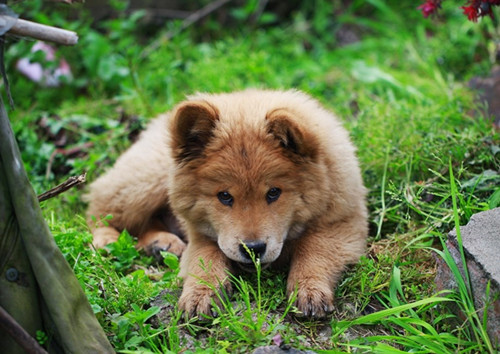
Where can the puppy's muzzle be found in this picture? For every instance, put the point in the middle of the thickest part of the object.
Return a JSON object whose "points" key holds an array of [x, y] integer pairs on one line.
{"points": [[252, 250]]}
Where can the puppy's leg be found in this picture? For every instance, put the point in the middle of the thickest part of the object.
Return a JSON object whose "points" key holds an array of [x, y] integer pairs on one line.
{"points": [[104, 235], [317, 261], [155, 240], [202, 264]]}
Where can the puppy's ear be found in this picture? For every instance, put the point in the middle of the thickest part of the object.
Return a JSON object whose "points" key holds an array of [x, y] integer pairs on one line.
{"points": [[191, 129], [292, 137]]}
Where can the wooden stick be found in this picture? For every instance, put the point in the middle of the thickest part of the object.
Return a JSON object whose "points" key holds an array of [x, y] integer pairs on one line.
{"points": [[63, 187], [25, 28], [168, 13], [258, 12], [23, 338], [188, 21], [203, 12]]}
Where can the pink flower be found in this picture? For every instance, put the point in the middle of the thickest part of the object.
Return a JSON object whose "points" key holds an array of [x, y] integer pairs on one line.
{"points": [[277, 340], [42, 73], [428, 8]]}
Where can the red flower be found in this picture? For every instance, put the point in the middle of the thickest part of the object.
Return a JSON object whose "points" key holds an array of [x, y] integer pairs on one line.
{"points": [[428, 8], [470, 12], [473, 10]]}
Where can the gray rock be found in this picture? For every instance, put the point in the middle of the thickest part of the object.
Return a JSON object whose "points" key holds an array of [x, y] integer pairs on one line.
{"points": [[481, 241], [489, 91], [481, 244]]}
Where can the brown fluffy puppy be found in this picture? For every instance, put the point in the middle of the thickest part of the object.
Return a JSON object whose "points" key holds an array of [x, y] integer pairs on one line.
{"points": [[267, 171]]}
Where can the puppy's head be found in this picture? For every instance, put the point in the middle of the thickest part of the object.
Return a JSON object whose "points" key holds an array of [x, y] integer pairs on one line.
{"points": [[247, 184]]}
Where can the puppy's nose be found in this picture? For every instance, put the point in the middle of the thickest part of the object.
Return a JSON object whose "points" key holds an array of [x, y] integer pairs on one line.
{"points": [[256, 247]]}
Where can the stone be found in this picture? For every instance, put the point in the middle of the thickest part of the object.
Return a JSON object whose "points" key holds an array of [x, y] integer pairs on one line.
{"points": [[481, 244], [489, 93]]}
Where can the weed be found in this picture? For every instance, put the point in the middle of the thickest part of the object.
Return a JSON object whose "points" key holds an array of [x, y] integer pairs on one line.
{"points": [[249, 318], [465, 298], [41, 337], [123, 251], [415, 324]]}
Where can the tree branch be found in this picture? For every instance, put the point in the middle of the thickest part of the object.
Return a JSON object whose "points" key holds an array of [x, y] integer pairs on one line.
{"points": [[188, 21], [63, 187]]}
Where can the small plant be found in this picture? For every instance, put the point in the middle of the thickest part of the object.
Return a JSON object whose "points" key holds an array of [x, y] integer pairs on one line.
{"points": [[248, 319], [132, 328], [172, 262], [41, 337], [123, 251]]}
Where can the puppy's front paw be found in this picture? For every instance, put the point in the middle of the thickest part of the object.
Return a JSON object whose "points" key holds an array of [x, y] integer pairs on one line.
{"points": [[197, 300], [104, 236], [314, 300], [154, 242], [176, 246]]}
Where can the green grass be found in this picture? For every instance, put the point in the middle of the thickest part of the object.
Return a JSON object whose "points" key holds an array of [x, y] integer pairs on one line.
{"points": [[430, 159]]}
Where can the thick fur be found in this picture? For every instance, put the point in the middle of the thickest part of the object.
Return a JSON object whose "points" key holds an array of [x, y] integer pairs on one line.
{"points": [[244, 143]]}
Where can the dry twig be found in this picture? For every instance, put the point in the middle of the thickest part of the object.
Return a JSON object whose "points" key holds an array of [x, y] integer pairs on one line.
{"points": [[63, 187], [188, 21]]}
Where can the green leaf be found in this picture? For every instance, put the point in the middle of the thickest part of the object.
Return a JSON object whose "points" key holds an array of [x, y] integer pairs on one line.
{"points": [[494, 199]]}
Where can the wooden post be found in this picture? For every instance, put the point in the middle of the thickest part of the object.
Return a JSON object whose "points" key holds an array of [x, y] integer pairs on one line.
{"points": [[34, 30]]}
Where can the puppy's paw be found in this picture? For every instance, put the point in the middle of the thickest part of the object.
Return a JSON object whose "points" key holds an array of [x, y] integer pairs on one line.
{"points": [[155, 242], [198, 300], [315, 301], [176, 246], [104, 236]]}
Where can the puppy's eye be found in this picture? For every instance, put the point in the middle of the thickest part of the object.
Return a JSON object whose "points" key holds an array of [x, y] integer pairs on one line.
{"points": [[272, 195], [225, 198]]}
